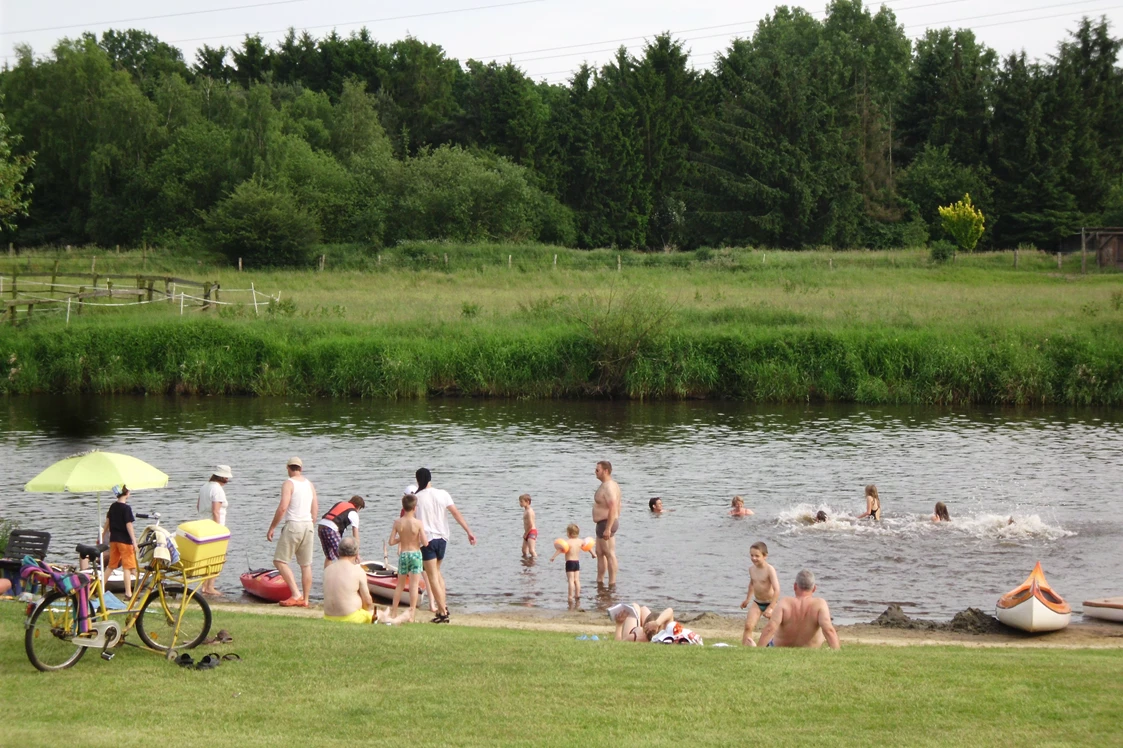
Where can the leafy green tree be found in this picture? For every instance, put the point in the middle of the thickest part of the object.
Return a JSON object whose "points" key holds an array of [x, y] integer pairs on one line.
{"points": [[934, 178], [15, 195], [263, 226], [143, 56]]}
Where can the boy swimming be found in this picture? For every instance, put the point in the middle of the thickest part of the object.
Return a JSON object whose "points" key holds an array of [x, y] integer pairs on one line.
{"points": [[739, 509], [764, 591], [530, 531], [572, 551]]}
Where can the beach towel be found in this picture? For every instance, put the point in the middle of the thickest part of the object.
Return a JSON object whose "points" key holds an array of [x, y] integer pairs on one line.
{"points": [[158, 545], [74, 585]]}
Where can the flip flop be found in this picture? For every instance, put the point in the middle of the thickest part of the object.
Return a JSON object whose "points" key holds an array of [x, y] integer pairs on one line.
{"points": [[184, 660], [222, 637], [209, 662], [231, 656]]}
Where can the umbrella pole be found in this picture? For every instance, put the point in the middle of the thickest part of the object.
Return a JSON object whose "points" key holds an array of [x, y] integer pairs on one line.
{"points": [[100, 556]]}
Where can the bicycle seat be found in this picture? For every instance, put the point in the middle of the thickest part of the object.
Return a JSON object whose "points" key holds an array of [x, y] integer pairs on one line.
{"points": [[91, 552]]}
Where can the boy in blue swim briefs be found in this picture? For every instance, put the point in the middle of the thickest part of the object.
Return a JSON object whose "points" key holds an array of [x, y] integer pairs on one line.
{"points": [[409, 535], [764, 591]]}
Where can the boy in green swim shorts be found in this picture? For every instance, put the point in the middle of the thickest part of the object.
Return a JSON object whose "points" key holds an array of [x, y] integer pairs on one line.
{"points": [[409, 535]]}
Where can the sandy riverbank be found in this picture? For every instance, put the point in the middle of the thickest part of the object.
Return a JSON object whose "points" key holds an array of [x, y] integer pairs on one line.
{"points": [[1079, 635]]}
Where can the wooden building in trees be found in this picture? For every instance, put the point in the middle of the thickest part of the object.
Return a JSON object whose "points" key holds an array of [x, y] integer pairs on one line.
{"points": [[1103, 243]]}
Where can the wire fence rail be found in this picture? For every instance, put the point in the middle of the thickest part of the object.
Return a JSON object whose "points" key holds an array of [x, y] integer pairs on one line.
{"points": [[36, 297]]}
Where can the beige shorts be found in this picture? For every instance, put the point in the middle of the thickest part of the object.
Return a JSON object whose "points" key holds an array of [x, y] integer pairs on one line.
{"points": [[296, 540]]}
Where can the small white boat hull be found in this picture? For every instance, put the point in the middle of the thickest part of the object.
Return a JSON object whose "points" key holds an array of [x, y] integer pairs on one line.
{"points": [[1033, 616], [1105, 609]]}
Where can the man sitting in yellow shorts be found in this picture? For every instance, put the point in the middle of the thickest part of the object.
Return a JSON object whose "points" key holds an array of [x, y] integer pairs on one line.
{"points": [[346, 595]]}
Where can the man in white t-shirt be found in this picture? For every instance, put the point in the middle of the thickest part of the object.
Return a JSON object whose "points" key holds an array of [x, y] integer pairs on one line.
{"points": [[431, 506], [297, 508], [212, 505]]}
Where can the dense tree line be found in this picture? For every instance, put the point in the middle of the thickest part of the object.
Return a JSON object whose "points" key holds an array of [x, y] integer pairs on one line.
{"points": [[836, 131]]}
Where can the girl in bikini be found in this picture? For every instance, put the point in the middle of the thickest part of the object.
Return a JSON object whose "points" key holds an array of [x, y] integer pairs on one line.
{"points": [[873, 504]]}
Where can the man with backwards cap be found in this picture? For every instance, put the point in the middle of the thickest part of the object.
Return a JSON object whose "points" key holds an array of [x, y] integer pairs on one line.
{"points": [[297, 508], [212, 504], [431, 506]]}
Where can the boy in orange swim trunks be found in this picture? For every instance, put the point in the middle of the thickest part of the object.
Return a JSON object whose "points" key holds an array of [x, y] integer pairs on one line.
{"points": [[530, 531], [122, 539]]}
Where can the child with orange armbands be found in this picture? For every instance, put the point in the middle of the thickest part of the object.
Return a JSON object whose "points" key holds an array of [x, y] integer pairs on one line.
{"points": [[572, 549]]}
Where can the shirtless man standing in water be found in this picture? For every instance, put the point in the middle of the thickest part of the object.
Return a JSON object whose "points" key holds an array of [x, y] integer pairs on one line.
{"points": [[801, 621], [606, 516]]}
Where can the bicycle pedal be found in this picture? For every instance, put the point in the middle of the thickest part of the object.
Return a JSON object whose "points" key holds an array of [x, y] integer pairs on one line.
{"points": [[107, 656]]}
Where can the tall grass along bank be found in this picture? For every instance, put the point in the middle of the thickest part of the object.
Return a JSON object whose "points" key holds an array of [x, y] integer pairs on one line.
{"points": [[565, 358]]}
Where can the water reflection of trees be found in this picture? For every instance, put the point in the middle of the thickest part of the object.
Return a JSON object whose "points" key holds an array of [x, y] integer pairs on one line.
{"points": [[82, 418]]}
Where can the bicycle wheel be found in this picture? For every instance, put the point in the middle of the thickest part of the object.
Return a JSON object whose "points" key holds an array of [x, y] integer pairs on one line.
{"points": [[49, 638], [157, 620]]}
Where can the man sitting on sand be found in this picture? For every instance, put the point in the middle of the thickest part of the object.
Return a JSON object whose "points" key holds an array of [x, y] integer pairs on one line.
{"points": [[800, 621], [346, 595]]}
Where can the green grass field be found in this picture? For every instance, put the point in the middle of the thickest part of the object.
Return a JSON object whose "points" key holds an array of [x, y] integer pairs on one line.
{"points": [[748, 324], [303, 680]]}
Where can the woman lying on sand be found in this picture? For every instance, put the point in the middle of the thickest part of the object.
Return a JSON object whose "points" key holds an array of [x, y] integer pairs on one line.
{"points": [[661, 628]]}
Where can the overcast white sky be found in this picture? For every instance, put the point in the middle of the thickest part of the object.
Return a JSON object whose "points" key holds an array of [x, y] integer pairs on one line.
{"points": [[546, 38]]}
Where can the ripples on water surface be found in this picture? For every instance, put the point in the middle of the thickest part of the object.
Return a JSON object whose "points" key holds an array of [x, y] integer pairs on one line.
{"points": [[1057, 473]]}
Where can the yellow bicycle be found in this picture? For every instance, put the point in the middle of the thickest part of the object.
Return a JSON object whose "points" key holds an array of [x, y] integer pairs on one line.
{"points": [[166, 610]]}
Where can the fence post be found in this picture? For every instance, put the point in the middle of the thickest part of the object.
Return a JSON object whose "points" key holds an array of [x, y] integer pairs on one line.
{"points": [[15, 280], [81, 290], [11, 249], [239, 264], [379, 263], [253, 291], [508, 262], [93, 265], [830, 263], [181, 303], [150, 284], [68, 310], [118, 249], [555, 260], [1015, 258], [1059, 261], [446, 259], [618, 263], [206, 294], [54, 276], [29, 308], [216, 287], [1083, 251], [109, 287]]}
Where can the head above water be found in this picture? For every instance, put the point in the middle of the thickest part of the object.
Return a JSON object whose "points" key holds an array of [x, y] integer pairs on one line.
{"points": [[409, 502], [572, 530], [760, 547], [737, 502], [348, 548], [604, 469], [655, 504], [942, 512], [871, 490], [524, 500], [821, 516], [423, 478], [805, 580]]}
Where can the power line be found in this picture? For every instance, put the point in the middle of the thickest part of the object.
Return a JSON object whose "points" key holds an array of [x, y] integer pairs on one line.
{"points": [[153, 18], [916, 25], [700, 28], [369, 20]]}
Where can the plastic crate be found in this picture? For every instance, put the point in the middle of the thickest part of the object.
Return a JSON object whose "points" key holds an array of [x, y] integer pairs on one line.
{"points": [[204, 569]]}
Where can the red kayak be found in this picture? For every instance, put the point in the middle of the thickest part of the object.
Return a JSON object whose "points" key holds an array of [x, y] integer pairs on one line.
{"points": [[266, 584], [383, 578]]}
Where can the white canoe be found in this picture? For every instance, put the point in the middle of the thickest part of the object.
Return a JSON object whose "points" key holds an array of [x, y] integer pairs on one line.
{"points": [[1033, 605], [1105, 608]]}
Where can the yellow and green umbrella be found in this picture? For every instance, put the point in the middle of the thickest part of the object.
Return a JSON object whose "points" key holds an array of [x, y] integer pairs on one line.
{"points": [[94, 472]]}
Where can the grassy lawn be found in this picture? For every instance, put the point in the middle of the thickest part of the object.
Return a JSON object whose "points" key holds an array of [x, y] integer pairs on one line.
{"points": [[413, 287], [308, 681]]}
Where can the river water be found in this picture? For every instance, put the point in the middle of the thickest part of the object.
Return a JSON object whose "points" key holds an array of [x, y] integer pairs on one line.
{"points": [[1057, 473]]}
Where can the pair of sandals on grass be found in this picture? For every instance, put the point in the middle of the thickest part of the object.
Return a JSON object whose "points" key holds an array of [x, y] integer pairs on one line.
{"points": [[212, 660], [208, 662]]}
